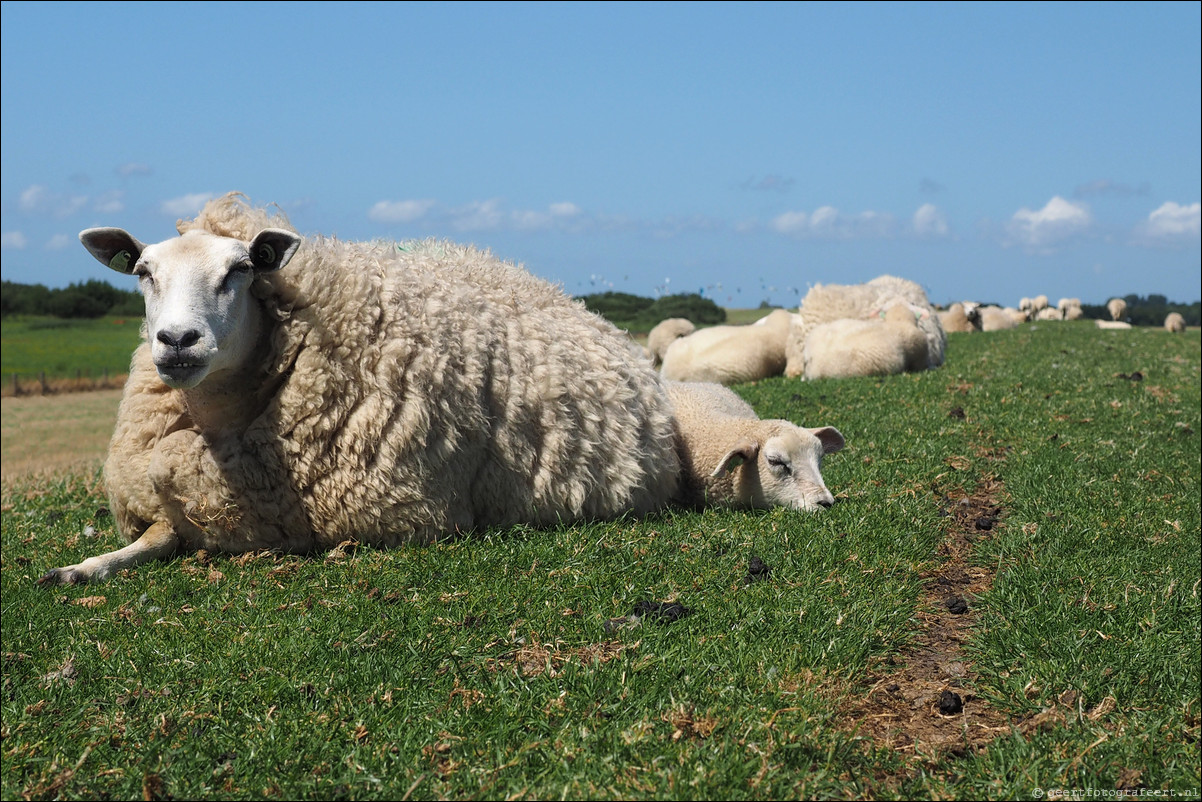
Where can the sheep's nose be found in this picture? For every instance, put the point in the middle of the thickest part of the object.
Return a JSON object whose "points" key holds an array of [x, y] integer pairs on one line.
{"points": [[188, 338], [826, 503]]}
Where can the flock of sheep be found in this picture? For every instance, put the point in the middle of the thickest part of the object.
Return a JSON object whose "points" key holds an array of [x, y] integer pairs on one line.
{"points": [[968, 316], [294, 393]]}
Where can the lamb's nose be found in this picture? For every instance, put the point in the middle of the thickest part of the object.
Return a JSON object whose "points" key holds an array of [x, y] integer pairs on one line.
{"points": [[826, 503]]}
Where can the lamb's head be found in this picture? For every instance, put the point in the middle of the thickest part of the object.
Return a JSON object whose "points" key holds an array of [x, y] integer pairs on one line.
{"points": [[200, 315], [780, 465]]}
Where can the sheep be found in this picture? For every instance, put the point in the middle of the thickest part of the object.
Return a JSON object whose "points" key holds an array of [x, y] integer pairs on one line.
{"points": [[850, 348], [729, 456], [1118, 325], [1038, 303], [961, 317], [1174, 322], [826, 303], [1070, 309], [997, 318], [664, 334], [295, 393], [730, 354], [1048, 313], [1117, 308]]}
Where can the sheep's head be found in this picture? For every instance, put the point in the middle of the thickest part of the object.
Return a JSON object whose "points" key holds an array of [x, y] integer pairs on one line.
{"points": [[200, 315], [782, 466]]}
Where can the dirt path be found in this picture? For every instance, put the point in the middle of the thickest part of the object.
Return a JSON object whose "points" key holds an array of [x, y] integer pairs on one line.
{"points": [[54, 434]]}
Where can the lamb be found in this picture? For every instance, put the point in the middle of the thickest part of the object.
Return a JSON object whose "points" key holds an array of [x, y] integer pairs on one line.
{"points": [[826, 303], [961, 317], [294, 393], [1174, 322], [1117, 308], [849, 348], [730, 354], [664, 334], [730, 456]]}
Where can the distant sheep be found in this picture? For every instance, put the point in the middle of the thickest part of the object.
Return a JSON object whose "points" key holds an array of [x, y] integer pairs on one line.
{"points": [[1070, 309], [1174, 322], [1117, 308], [731, 457], [996, 318], [830, 302], [295, 393], [1112, 324], [664, 334], [845, 348], [1038, 303], [961, 318], [1048, 313], [730, 354]]}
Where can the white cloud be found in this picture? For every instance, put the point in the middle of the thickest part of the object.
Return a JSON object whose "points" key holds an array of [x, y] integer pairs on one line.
{"points": [[405, 211], [478, 216], [1174, 221], [133, 168], [13, 241], [58, 242], [827, 222], [928, 221], [565, 209], [110, 202], [1057, 221], [37, 199], [186, 205]]}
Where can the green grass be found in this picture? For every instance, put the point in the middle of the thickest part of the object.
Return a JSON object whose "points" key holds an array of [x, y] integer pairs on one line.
{"points": [[492, 666], [66, 348]]}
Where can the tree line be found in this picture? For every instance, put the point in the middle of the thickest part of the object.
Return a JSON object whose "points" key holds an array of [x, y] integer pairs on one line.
{"points": [[90, 299]]}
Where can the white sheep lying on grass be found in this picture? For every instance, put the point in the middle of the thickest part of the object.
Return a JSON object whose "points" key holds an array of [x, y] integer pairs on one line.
{"points": [[295, 393], [844, 349], [664, 334], [730, 456], [1112, 325], [998, 318], [730, 354], [1070, 309], [1174, 322], [961, 318], [825, 303]]}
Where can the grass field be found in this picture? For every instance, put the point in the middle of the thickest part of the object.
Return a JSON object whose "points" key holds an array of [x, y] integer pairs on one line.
{"points": [[1017, 531], [66, 349]]}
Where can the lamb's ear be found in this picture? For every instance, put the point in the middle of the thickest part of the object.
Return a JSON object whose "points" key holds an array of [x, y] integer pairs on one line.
{"points": [[830, 437], [745, 451], [113, 247], [272, 248]]}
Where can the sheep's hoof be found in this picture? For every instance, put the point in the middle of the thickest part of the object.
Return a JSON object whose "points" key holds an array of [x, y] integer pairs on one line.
{"points": [[62, 576]]}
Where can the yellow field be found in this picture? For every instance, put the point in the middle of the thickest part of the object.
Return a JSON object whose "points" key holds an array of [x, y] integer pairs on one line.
{"points": [[49, 435]]}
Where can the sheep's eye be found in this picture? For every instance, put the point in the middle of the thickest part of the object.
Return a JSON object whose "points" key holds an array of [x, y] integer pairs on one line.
{"points": [[780, 466], [236, 272]]}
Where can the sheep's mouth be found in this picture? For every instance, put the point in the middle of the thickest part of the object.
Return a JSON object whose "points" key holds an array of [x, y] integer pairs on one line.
{"points": [[181, 373]]}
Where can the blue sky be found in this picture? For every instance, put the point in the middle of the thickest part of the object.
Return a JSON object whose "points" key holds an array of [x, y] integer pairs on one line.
{"points": [[987, 151]]}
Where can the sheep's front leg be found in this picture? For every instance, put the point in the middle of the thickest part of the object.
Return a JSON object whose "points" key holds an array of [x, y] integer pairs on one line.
{"points": [[159, 542]]}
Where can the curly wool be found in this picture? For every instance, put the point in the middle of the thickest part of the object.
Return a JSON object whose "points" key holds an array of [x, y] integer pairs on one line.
{"points": [[403, 392]]}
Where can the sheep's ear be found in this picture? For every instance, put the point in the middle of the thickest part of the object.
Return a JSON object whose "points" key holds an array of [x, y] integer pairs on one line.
{"points": [[745, 451], [112, 247], [272, 248], [830, 437]]}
